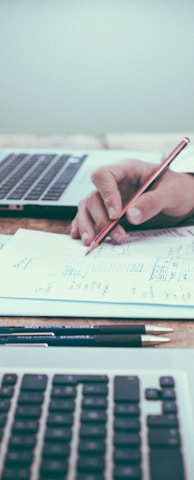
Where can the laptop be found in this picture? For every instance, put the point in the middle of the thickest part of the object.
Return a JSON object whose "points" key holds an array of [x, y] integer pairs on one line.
{"points": [[96, 413], [48, 183]]}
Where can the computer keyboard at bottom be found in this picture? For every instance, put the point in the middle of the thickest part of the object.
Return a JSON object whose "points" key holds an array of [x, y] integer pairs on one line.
{"points": [[90, 427]]}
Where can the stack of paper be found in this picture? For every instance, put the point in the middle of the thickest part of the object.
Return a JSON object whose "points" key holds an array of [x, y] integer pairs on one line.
{"points": [[150, 276]]}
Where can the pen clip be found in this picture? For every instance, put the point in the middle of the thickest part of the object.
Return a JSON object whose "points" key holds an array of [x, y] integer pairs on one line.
{"points": [[26, 333]]}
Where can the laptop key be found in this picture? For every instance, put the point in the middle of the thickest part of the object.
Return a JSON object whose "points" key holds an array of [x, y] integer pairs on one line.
{"points": [[129, 472], [34, 382], [14, 473], [168, 420], [62, 182], [166, 464], [126, 389], [159, 437]]}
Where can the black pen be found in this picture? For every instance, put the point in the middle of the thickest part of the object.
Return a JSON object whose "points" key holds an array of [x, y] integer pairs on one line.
{"points": [[86, 330], [85, 341]]}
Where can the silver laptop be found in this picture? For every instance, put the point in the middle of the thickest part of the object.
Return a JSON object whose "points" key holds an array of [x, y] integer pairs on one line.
{"points": [[96, 414], [51, 183]]}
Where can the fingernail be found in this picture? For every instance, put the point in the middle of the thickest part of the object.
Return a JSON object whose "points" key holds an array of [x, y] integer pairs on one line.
{"points": [[135, 215], [117, 237], [111, 212], [85, 237]]}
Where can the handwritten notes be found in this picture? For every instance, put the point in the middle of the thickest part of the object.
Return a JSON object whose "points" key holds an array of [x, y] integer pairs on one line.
{"points": [[151, 267]]}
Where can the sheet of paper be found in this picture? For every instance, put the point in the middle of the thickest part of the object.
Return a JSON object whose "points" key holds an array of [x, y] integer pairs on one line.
{"points": [[152, 267], [4, 239]]}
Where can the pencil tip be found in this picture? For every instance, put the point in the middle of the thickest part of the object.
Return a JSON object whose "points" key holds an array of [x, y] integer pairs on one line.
{"points": [[92, 247]]}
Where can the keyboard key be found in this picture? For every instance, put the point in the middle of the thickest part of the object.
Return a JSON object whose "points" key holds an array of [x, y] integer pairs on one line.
{"points": [[129, 472], [64, 379], [94, 403], [92, 445], [64, 419], [169, 406], [30, 398], [164, 437], [34, 382], [127, 455], [9, 379], [168, 394], [166, 463], [92, 431], [125, 410], [6, 391], [63, 392], [4, 405], [18, 457], [152, 394], [126, 389], [58, 434], [89, 476], [166, 382], [95, 389], [22, 441], [3, 418], [92, 379], [54, 467], [13, 473], [25, 426], [90, 463], [28, 411], [93, 416], [62, 405], [127, 439], [54, 449], [169, 420], [125, 424]]}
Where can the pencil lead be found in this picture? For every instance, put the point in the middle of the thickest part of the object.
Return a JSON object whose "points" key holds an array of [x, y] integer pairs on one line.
{"points": [[92, 247]]}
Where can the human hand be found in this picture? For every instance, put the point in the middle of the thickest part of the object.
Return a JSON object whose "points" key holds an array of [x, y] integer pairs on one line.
{"points": [[170, 200]]}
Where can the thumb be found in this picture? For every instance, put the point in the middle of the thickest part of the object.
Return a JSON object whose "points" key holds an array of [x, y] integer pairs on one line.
{"points": [[146, 207]]}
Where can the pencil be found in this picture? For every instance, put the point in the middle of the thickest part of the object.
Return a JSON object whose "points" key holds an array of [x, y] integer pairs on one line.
{"points": [[111, 224], [85, 341]]}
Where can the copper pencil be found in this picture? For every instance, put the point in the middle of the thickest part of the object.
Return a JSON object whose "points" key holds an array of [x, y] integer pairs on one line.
{"points": [[111, 224]]}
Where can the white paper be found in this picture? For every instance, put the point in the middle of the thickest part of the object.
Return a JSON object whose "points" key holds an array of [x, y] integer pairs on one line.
{"points": [[153, 267]]}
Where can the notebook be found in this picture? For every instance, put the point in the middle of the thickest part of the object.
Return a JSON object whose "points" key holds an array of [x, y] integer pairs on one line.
{"points": [[96, 414], [51, 183]]}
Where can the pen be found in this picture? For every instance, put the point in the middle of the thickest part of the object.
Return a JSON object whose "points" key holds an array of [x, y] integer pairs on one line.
{"points": [[86, 330], [85, 341], [148, 183]]}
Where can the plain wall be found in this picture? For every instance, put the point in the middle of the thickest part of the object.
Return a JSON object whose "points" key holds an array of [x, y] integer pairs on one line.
{"points": [[85, 66]]}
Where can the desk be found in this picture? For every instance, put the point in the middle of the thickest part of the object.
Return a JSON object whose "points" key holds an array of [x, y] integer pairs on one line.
{"points": [[183, 334]]}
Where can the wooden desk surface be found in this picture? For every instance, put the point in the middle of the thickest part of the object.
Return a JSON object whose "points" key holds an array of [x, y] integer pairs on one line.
{"points": [[183, 334]]}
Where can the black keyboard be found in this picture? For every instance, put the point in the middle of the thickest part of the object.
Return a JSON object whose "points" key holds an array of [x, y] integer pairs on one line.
{"points": [[37, 176], [89, 427]]}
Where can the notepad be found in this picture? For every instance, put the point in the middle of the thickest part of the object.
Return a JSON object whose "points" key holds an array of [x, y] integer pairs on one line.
{"points": [[151, 275]]}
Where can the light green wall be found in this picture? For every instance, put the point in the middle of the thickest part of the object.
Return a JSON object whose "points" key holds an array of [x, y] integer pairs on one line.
{"points": [[86, 66]]}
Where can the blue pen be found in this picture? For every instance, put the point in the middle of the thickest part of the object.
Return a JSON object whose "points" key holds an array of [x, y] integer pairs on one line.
{"points": [[84, 341], [51, 331]]}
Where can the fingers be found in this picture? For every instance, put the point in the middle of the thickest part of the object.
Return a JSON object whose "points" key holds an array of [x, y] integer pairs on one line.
{"points": [[107, 180], [91, 218], [172, 196], [117, 182], [169, 200]]}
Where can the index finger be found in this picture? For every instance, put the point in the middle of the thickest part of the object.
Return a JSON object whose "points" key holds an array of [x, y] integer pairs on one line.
{"points": [[106, 179]]}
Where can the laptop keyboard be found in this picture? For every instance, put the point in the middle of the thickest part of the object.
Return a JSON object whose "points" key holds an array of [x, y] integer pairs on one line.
{"points": [[90, 427], [37, 176]]}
